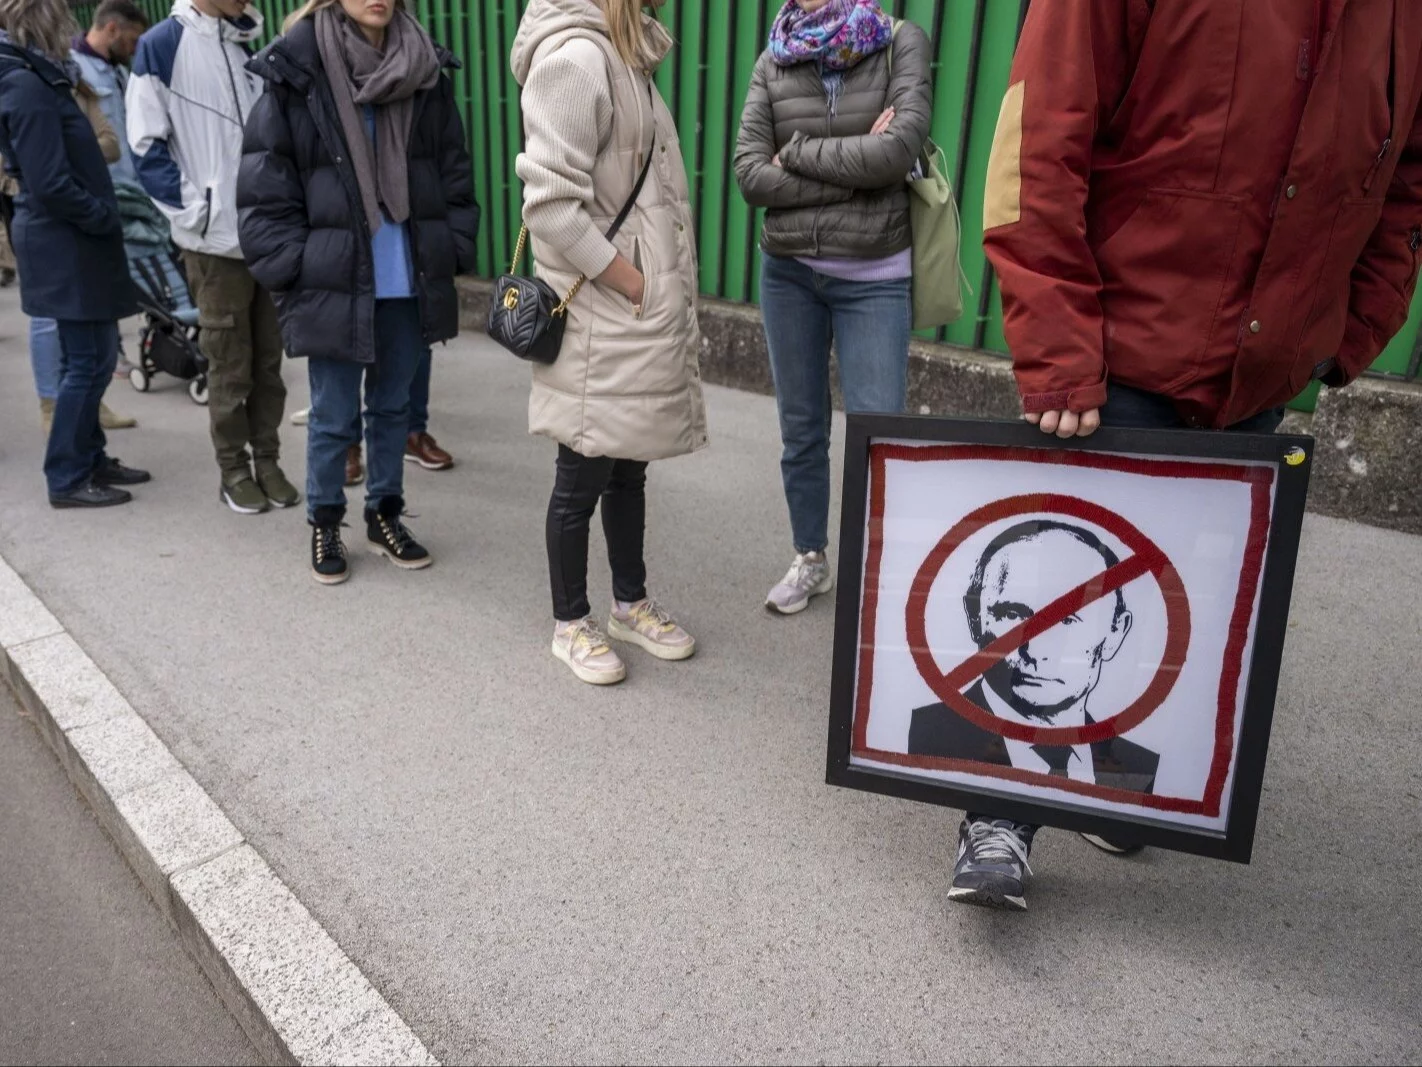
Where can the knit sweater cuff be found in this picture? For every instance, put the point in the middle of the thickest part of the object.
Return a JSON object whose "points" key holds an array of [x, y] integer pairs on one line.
{"points": [[590, 252]]}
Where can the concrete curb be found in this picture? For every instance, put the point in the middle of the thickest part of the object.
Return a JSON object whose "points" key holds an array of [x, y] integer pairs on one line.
{"points": [[1369, 433], [293, 990]]}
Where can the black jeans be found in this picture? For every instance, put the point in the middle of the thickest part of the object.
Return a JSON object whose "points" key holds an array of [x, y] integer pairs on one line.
{"points": [[581, 481], [1139, 410]]}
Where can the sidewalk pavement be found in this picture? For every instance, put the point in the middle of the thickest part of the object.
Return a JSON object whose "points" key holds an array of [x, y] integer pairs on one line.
{"points": [[530, 869], [90, 972]]}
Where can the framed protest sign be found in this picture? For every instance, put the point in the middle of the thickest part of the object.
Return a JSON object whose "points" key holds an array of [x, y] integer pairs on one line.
{"points": [[1084, 634]]}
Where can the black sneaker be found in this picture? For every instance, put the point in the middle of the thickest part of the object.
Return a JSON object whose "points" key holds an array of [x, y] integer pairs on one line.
{"points": [[388, 537], [90, 495], [115, 473], [992, 863], [328, 553]]}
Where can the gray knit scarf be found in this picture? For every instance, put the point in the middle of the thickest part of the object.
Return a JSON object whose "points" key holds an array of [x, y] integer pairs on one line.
{"points": [[360, 74]]}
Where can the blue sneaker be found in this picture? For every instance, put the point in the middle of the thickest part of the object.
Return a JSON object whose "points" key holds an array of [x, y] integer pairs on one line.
{"points": [[992, 863]]}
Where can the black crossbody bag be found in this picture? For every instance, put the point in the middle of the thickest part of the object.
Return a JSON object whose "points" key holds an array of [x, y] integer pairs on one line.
{"points": [[525, 314]]}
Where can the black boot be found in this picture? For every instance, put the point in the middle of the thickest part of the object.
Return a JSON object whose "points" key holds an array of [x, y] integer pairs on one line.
{"points": [[388, 536], [112, 472], [90, 495], [328, 552]]}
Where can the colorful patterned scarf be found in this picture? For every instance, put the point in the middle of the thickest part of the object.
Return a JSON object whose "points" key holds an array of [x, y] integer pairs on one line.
{"points": [[835, 37]]}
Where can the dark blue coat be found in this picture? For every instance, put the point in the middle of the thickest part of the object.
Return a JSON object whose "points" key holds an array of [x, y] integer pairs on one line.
{"points": [[301, 220], [66, 232]]}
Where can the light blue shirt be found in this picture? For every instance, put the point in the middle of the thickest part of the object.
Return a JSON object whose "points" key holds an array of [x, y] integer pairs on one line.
{"points": [[389, 245], [108, 82]]}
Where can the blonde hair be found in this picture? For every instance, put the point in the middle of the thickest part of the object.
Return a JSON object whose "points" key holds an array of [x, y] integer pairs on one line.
{"points": [[305, 11], [628, 31], [46, 26]]}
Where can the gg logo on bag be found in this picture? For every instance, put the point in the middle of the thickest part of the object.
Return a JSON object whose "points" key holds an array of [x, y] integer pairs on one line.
{"points": [[511, 298]]}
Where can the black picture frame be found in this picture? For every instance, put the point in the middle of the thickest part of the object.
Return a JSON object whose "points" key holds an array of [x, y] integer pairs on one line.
{"points": [[1292, 458]]}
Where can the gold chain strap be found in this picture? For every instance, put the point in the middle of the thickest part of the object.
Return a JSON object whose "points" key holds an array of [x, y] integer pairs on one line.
{"points": [[562, 308]]}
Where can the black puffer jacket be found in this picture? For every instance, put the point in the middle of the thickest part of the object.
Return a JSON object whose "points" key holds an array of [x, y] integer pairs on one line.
{"points": [[838, 190], [300, 218]]}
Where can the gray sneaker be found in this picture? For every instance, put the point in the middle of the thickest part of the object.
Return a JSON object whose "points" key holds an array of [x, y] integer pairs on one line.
{"points": [[992, 866], [808, 576]]}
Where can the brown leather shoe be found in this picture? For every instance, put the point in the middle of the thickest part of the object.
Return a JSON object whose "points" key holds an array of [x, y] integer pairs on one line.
{"points": [[355, 470], [423, 449]]}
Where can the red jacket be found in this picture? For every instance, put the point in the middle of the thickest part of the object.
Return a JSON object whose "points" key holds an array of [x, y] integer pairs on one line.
{"points": [[1206, 198]]}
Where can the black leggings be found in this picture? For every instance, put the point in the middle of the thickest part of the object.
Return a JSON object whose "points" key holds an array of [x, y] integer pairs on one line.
{"points": [[581, 481]]}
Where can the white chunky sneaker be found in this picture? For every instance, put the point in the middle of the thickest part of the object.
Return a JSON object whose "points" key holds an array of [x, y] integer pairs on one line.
{"points": [[583, 647], [648, 625], [808, 576]]}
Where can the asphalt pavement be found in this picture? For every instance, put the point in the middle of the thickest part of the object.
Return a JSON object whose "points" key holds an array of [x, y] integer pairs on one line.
{"points": [[90, 971], [533, 870]]}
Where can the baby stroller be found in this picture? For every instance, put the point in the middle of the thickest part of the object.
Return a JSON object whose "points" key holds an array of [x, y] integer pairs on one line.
{"points": [[168, 338]]}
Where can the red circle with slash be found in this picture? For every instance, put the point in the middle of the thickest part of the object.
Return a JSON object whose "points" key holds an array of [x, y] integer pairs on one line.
{"points": [[1146, 558]]}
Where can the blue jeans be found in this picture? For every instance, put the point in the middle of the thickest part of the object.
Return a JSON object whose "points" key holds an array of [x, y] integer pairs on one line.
{"points": [[46, 357], [870, 324], [420, 394], [89, 351], [335, 411], [1139, 410]]}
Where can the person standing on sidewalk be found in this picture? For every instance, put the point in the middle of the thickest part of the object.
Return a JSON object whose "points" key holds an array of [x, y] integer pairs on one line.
{"points": [[838, 110], [356, 205], [46, 354], [68, 241], [188, 98], [103, 53], [1187, 243], [110, 41], [626, 387]]}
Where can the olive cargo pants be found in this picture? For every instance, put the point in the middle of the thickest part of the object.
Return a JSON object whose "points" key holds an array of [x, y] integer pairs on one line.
{"points": [[242, 342]]}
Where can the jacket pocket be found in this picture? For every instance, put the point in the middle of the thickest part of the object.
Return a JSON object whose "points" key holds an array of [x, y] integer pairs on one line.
{"points": [[206, 210], [1165, 273], [1353, 226], [642, 260]]}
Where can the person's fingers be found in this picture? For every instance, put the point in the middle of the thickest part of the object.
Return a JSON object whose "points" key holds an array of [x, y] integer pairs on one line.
{"points": [[1067, 426], [1090, 423], [1033, 417], [1048, 423], [882, 122]]}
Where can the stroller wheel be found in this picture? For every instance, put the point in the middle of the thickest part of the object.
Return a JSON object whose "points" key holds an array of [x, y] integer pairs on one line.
{"points": [[197, 389], [138, 378]]}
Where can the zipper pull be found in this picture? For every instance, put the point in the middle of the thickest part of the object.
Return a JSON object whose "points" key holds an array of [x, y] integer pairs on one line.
{"points": [[1414, 240], [1377, 164]]}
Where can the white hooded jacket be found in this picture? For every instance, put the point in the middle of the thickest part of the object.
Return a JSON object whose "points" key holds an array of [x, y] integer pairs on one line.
{"points": [[188, 99]]}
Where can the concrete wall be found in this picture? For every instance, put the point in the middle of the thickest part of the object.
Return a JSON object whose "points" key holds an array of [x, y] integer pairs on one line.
{"points": [[1369, 454]]}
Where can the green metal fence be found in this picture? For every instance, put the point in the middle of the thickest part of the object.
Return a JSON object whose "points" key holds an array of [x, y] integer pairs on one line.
{"points": [[704, 83]]}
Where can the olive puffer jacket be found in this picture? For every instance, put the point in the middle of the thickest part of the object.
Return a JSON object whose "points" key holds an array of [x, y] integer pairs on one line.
{"points": [[839, 191], [302, 223]]}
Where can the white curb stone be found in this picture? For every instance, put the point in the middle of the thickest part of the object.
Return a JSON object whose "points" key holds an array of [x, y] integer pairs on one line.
{"points": [[295, 992]]}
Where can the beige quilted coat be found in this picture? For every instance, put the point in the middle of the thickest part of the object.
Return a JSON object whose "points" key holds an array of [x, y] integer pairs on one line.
{"points": [[622, 386]]}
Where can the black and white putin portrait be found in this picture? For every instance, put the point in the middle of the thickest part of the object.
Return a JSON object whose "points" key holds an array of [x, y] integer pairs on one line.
{"points": [[1049, 679]]}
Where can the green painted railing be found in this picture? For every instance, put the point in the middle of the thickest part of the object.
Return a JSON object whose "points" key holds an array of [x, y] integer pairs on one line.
{"points": [[704, 83]]}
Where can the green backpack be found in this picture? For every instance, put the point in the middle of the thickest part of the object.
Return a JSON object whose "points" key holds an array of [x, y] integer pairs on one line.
{"points": [[938, 278]]}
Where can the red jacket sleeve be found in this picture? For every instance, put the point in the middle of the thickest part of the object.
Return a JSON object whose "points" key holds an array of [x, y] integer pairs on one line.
{"points": [[1386, 274], [1073, 64]]}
